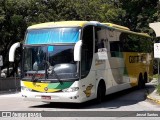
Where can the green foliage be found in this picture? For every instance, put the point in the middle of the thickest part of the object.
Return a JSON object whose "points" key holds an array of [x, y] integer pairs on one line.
{"points": [[139, 13], [158, 89], [17, 15]]}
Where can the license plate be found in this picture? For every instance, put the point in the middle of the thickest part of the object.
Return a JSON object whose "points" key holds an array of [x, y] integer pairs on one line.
{"points": [[46, 97]]}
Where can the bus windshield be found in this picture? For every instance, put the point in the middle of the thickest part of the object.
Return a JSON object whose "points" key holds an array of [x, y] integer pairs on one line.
{"points": [[47, 60]]}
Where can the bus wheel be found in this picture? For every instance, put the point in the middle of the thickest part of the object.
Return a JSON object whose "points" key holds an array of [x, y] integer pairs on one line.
{"points": [[141, 82], [100, 92], [145, 77]]}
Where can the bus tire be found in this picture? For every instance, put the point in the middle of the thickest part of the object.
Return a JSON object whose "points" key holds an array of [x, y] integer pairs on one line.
{"points": [[101, 92], [141, 83], [145, 77]]}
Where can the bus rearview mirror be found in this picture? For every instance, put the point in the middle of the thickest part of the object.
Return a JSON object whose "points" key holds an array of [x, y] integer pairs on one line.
{"points": [[77, 51], [12, 51]]}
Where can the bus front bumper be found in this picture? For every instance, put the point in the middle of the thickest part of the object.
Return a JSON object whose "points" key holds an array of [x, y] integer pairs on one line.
{"points": [[71, 97]]}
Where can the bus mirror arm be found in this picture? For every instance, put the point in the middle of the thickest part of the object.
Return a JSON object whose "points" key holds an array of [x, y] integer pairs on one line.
{"points": [[77, 51], [12, 51]]}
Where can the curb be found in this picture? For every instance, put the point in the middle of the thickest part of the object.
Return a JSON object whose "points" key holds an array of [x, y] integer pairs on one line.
{"points": [[153, 99]]}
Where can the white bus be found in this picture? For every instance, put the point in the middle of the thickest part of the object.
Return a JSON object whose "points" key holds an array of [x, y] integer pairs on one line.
{"points": [[77, 61]]}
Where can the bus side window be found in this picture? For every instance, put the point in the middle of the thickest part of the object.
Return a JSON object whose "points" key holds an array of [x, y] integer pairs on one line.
{"points": [[115, 48], [100, 38], [101, 44]]}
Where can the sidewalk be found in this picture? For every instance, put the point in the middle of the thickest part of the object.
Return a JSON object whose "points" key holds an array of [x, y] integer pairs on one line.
{"points": [[154, 96]]}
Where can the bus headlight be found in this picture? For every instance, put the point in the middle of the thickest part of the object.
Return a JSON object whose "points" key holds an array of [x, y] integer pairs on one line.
{"points": [[72, 89], [25, 89]]}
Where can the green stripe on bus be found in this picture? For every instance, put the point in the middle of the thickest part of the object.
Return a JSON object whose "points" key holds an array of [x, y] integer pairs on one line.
{"points": [[59, 85]]}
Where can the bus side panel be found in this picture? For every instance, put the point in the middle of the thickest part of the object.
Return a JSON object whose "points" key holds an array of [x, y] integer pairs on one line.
{"points": [[137, 63]]}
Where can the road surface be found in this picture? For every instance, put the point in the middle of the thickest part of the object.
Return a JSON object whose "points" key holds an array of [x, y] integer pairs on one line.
{"points": [[118, 104]]}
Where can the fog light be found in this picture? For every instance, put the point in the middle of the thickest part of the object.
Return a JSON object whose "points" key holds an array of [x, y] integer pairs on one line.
{"points": [[70, 97]]}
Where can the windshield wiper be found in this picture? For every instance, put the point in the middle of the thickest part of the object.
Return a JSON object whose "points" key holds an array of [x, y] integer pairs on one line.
{"points": [[55, 74], [47, 65]]}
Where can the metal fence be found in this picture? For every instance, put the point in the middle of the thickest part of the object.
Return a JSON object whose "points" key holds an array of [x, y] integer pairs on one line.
{"points": [[11, 84]]}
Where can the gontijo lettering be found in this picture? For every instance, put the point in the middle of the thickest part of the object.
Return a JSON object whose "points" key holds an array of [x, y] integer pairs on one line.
{"points": [[136, 59]]}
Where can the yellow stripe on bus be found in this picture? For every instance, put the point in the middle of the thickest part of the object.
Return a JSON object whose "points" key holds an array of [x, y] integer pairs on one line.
{"points": [[41, 87]]}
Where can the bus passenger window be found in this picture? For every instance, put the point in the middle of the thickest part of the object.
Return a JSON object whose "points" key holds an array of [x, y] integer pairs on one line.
{"points": [[101, 44], [115, 48], [100, 38]]}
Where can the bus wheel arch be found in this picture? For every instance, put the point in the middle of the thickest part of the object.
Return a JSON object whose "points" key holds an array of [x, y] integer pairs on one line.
{"points": [[101, 91]]}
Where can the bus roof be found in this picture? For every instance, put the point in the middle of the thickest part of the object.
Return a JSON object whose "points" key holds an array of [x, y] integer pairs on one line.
{"points": [[124, 29], [59, 24], [116, 26], [83, 23]]}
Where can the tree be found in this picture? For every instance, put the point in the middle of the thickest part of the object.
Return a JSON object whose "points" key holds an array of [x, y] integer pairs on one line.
{"points": [[17, 15], [139, 13]]}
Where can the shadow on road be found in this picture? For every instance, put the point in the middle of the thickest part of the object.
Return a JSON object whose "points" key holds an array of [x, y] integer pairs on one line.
{"points": [[113, 101]]}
